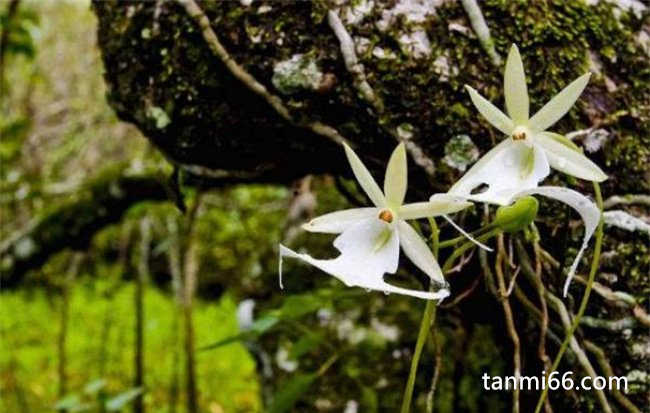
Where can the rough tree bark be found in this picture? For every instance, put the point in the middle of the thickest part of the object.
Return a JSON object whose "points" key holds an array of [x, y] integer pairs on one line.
{"points": [[163, 77]]}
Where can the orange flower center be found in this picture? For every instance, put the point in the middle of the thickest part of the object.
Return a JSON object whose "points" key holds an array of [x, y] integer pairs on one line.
{"points": [[386, 216], [520, 133]]}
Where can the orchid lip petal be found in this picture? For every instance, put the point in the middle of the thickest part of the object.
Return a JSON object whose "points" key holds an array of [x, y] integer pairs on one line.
{"points": [[557, 107], [515, 89], [419, 253], [339, 221], [362, 261], [568, 160], [493, 114], [367, 239], [396, 180], [365, 179], [588, 211]]}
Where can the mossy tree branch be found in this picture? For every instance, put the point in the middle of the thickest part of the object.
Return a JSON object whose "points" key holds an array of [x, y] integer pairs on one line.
{"points": [[101, 202]]}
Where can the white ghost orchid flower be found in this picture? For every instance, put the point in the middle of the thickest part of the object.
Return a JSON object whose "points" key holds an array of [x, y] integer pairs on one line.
{"points": [[524, 159], [370, 238], [587, 210]]}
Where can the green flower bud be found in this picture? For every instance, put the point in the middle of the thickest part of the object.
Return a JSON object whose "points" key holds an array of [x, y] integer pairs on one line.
{"points": [[516, 217]]}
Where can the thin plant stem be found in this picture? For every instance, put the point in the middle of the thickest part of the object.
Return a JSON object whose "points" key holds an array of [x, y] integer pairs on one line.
{"points": [[190, 269], [510, 322], [585, 298], [435, 237], [454, 241], [62, 339], [139, 297], [428, 317], [436, 369], [466, 246]]}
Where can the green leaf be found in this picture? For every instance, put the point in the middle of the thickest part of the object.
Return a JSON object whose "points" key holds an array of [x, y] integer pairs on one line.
{"points": [[226, 341], [305, 345], [68, 402], [259, 327], [297, 306], [294, 389], [369, 400], [518, 216], [264, 324], [94, 386], [118, 402]]}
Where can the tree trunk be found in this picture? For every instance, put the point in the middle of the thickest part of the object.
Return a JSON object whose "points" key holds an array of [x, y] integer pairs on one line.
{"points": [[267, 91]]}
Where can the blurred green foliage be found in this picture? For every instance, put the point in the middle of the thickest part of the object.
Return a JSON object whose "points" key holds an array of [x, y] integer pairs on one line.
{"points": [[100, 347], [24, 29]]}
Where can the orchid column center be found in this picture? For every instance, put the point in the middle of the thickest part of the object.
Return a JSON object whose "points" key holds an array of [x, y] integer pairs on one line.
{"points": [[386, 216], [520, 133]]}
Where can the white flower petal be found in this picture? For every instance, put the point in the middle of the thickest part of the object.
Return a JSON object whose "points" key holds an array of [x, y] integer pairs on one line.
{"points": [[559, 105], [587, 210], [515, 89], [368, 238], [566, 159], [364, 178], [339, 221], [369, 249], [473, 178], [508, 168], [418, 252], [367, 253], [396, 178], [491, 112], [438, 205]]}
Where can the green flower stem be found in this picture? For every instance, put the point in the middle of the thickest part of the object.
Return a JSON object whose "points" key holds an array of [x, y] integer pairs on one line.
{"points": [[435, 237], [466, 246], [452, 242], [585, 298], [430, 313], [427, 319]]}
